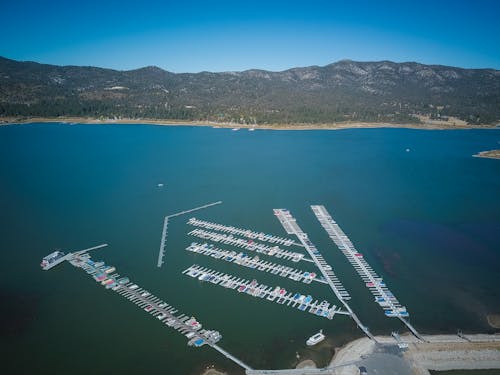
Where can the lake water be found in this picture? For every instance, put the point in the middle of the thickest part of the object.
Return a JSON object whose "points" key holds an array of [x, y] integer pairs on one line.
{"points": [[427, 220]]}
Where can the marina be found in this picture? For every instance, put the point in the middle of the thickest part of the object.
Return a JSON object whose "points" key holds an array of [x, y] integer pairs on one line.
{"points": [[291, 227], [253, 235], [275, 294], [383, 296], [154, 306], [255, 262], [408, 234], [250, 245]]}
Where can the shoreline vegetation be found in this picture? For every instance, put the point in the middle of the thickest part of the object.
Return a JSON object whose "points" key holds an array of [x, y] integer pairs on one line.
{"points": [[425, 124], [491, 154]]}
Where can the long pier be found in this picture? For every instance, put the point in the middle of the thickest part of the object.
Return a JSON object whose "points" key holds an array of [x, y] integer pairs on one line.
{"points": [[195, 209], [291, 227], [383, 296], [290, 224], [161, 254], [249, 245], [255, 262], [253, 235], [163, 242], [165, 313], [274, 294], [79, 252]]}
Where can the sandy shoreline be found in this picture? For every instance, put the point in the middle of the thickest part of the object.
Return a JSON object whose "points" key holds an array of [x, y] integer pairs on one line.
{"points": [[491, 154], [493, 320], [434, 125]]}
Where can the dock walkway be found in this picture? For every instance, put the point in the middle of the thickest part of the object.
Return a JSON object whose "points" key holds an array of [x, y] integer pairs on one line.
{"points": [[194, 209], [164, 312], [250, 245], [274, 294], [383, 296], [161, 253], [242, 259], [291, 226], [253, 235]]}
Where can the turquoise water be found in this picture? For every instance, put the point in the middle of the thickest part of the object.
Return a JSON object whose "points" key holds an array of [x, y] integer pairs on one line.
{"points": [[428, 220]]}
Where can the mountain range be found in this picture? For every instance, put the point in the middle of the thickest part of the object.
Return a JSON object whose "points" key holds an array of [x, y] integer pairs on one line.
{"points": [[382, 91]]}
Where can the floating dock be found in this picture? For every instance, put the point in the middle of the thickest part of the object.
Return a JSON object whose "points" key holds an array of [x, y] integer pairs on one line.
{"points": [[273, 294], [383, 296], [249, 245], [242, 232], [57, 257], [147, 301], [255, 262], [165, 313], [195, 209], [291, 227], [161, 253]]}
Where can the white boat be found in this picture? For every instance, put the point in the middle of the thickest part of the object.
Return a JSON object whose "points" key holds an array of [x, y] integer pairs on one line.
{"points": [[315, 339]]}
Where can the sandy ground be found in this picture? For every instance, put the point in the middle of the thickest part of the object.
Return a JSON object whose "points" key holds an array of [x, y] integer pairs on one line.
{"points": [[492, 154], [212, 371], [494, 320], [306, 364], [442, 352], [427, 125]]}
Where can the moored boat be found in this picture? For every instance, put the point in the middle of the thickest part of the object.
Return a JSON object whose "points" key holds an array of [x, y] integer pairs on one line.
{"points": [[315, 339]]}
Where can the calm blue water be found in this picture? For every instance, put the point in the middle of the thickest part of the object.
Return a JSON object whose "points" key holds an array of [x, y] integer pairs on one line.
{"points": [[428, 220]]}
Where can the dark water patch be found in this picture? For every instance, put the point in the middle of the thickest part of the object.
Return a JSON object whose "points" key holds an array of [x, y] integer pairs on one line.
{"points": [[389, 260], [18, 313]]}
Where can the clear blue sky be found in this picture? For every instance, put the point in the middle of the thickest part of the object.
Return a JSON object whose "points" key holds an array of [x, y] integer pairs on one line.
{"points": [[192, 36]]}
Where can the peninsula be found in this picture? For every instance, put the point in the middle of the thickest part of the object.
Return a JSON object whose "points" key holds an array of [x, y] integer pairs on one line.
{"points": [[492, 154]]}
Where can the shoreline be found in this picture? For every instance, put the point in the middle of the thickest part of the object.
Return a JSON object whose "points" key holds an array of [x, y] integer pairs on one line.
{"points": [[326, 126], [491, 154], [440, 353], [493, 320]]}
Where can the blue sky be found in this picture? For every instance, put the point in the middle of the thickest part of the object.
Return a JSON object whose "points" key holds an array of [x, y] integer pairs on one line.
{"points": [[192, 36]]}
